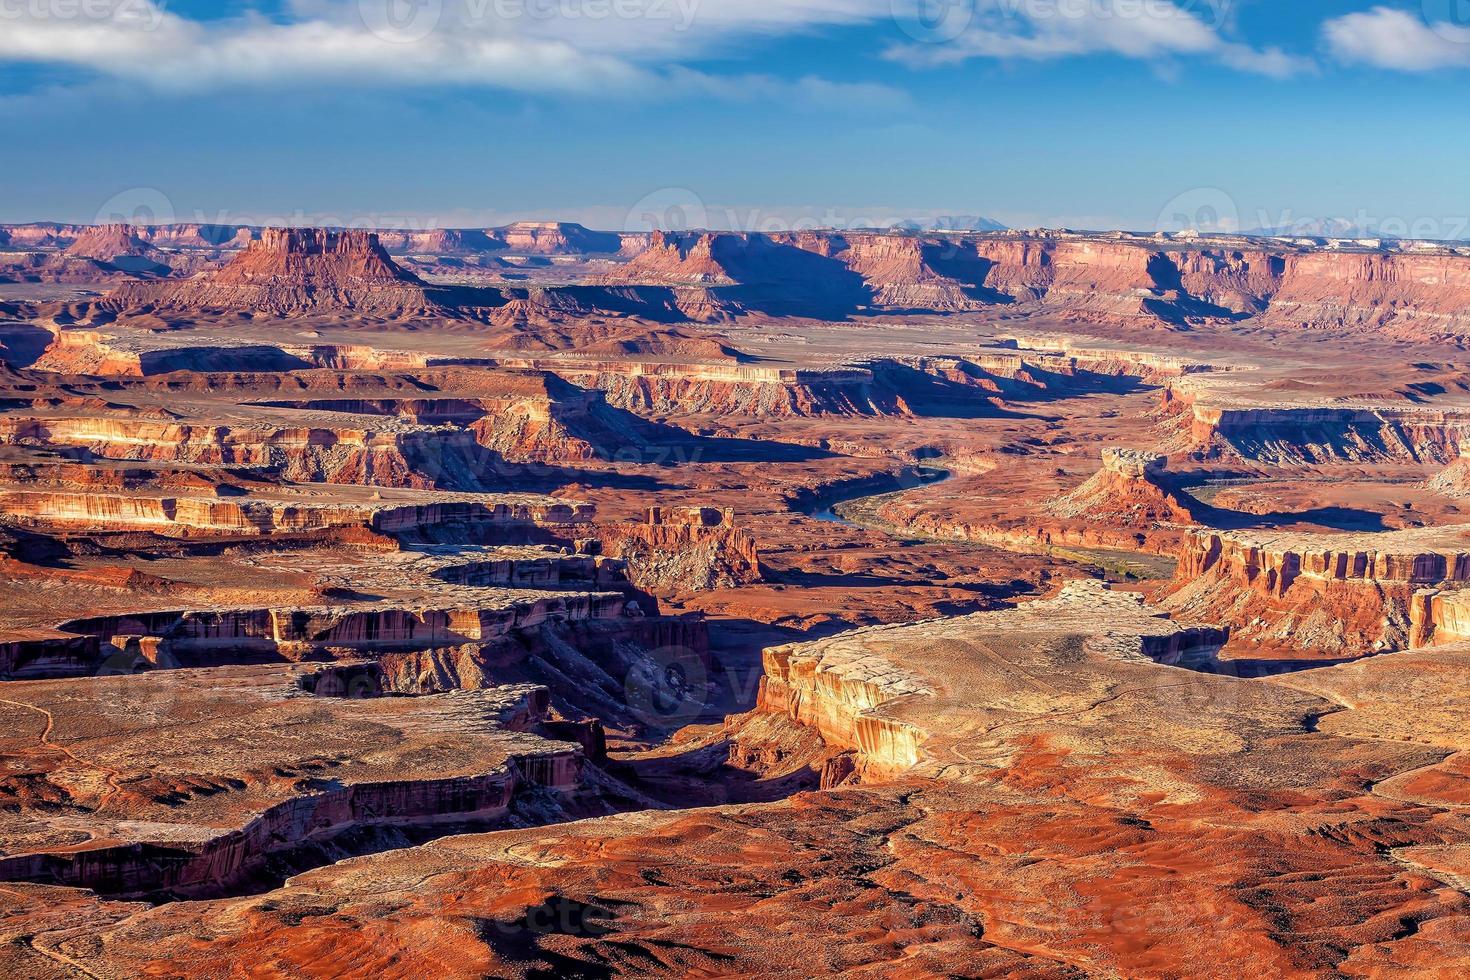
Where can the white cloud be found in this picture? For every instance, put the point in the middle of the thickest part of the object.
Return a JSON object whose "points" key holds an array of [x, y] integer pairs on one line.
{"points": [[585, 46], [597, 46], [1387, 38], [1038, 30]]}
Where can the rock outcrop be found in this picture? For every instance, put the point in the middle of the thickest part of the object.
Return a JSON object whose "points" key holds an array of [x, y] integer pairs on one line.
{"points": [[1454, 479], [682, 549], [895, 695], [293, 272], [1131, 490], [1227, 421], [269, 771], [1338, 594], [1439, 618]]}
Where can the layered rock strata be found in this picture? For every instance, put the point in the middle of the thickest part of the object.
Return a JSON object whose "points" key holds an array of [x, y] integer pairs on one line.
{"points": [[263, 516], [292, 272], [683, 549], [1131, 490], [1222, 422], [896, 695], [1439, 618], [268, 770], [386, 453], [1340, 594]]}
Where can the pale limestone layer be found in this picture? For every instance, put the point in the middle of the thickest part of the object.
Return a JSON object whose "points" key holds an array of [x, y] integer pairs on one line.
{"points": [[191, 779], [261, 515], [916, 697], [1274, 561], [1439, 618]]}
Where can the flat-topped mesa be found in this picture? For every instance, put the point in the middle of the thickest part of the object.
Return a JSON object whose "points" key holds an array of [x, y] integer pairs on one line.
{"points": [[374, 452], [1131, 490], [1339, 594], [233, 516], [314, 256], [681, 549], [216, 637], [107, 243], [724, 388], [292, 272], [556, 238], [1220, 420], [901, 697], [269, 773]]}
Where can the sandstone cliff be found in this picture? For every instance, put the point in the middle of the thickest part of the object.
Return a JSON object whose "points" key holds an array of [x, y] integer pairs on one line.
{"points": [[291, 272], [683, 550], [1217, 424], [1131, 490], [1337, 594]]}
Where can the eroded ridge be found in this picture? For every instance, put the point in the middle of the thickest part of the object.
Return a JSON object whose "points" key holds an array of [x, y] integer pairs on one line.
{"points": [[1334, 593], [535, 601], [107, 795], [900, 696]]}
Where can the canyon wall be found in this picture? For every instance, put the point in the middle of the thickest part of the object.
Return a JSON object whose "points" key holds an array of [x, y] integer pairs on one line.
{"points": [[1419, 294], [682, 549], [1218, 426], [291, 272], [253, 517], [1115, 277], [1328, 593]]}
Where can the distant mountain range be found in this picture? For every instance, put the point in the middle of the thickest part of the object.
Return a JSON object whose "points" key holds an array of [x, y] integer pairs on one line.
{"points": [[958, 222], [1319, 228]]}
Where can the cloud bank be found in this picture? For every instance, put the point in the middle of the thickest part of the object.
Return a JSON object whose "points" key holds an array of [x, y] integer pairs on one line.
{"points": [[1035, 30], [1396, 39]]}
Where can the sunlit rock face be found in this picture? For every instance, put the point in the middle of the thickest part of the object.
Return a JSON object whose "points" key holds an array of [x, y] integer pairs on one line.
{"points": [[1343, 594]]}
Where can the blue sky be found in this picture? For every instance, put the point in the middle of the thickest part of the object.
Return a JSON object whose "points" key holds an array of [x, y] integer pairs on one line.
{"points": [[738, 113]]}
